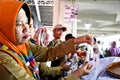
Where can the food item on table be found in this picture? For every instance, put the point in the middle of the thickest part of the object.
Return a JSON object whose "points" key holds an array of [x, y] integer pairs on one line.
{"points": [[114, 69]]}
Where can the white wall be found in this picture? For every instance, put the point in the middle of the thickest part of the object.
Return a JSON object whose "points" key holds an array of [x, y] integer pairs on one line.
{"points": [[58, 16]]}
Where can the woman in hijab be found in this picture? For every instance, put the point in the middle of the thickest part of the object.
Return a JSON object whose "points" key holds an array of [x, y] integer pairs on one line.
{"points": [[18, 57], [114, 50]]}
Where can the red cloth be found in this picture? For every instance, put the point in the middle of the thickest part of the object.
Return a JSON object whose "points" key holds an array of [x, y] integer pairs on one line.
{"points": [[81, 54]]}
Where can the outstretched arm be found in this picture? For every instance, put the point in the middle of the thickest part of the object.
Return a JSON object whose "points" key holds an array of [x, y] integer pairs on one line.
{"points": [[85, 69], [44, 53]]}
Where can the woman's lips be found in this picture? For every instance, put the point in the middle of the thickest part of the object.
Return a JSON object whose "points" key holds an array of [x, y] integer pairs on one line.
{"points": [[26, 36]]}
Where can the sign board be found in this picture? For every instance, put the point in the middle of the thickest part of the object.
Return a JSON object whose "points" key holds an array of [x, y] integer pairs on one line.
{"points": [[40, 2]]}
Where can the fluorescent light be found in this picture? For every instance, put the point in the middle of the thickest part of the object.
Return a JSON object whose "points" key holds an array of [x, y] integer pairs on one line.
{"points": [[87, 25], [103, 35], [79, 20]]}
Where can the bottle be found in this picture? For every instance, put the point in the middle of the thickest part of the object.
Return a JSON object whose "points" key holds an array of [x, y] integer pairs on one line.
{"points": [[74, 61]]}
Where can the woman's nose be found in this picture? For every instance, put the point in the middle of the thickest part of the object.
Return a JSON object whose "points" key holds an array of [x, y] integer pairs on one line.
{"points": [[26, 28]]}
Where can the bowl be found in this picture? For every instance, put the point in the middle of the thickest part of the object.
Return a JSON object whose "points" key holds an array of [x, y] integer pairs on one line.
{"points": [[113, 69]]}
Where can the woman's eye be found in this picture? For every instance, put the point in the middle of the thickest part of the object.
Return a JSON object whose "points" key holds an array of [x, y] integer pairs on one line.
{"points": [[26, 23], [31, 25], [19, 24]]}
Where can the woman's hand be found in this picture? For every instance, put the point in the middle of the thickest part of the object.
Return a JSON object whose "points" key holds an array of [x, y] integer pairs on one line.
{"points": [[66, 67], [85, 69], [83, 39]]}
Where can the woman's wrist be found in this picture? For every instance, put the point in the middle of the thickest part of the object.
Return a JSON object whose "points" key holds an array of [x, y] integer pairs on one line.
{"points": [[61, 68], [75, 41], [77, 74]]}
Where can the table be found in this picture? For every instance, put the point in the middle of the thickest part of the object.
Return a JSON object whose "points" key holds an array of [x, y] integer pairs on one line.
{"points": [[99, 70]]}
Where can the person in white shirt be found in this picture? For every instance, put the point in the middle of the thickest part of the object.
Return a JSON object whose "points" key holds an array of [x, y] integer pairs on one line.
{"points": [[96, 50]]}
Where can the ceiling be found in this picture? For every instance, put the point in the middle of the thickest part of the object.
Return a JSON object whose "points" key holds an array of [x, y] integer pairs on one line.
{"points": [[103, 15], [42, 11]]}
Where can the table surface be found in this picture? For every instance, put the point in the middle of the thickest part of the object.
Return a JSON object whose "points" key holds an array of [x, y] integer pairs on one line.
{"points": [[99, 70]]}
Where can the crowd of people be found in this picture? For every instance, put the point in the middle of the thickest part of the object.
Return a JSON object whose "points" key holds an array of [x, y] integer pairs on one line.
{"points": [[18, 56]]}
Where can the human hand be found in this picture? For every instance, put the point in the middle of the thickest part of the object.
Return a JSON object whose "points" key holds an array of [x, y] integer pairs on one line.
{"points": [[85, 69], [65, 67], [84, 39]]}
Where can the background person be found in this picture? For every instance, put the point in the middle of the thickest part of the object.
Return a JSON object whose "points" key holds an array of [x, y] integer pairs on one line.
{"points": [[57, 33], [114, 50], [44, 70]]}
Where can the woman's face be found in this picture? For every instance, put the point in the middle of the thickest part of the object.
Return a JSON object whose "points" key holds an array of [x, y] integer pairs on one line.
{"points": [[22, 29]]}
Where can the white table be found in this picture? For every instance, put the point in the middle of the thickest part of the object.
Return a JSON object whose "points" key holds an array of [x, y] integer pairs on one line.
{"points": [[99, 70]]}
